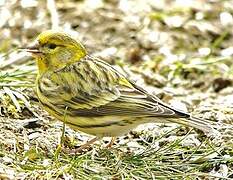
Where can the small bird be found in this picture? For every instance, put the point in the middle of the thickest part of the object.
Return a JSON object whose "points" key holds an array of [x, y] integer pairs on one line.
{"points": [[91, 96]]}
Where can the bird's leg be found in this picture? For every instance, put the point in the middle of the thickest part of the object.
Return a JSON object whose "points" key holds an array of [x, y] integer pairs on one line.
{"points": [[111, 142], [82, 147], [62, 134], [60, 145]]}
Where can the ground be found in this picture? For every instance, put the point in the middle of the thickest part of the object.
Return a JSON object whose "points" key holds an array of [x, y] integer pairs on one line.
{"points": [[179, 50]]}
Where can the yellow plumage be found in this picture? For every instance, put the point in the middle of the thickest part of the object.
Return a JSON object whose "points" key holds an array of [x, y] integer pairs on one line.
{"points": [[95, 97]]}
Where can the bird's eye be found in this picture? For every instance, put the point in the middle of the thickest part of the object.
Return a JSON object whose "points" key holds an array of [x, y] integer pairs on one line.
{"points": [[52, 46]]}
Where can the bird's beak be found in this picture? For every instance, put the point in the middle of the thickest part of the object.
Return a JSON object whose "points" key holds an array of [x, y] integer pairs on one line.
{"points": [[33, 48]]}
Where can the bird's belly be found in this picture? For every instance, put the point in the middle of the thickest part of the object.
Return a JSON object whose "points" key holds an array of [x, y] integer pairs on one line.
{"points": [[102, 127], [110, 131]]}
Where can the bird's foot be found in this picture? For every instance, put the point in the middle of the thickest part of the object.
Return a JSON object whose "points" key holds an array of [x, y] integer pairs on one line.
{"points": [[111, 142], [82, 148]]}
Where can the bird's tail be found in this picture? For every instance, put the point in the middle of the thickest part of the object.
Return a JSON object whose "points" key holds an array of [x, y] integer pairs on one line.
{"points": [[207, 126]]}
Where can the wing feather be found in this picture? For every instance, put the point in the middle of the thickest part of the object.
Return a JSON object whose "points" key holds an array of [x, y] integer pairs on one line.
{"points": [[109, 94]]}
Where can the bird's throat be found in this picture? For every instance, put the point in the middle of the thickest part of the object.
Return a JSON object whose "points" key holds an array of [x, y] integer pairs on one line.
{"points": [[42, 64]]}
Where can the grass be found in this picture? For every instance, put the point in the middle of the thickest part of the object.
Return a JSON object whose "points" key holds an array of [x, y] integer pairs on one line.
{"points": [[149, 157]]}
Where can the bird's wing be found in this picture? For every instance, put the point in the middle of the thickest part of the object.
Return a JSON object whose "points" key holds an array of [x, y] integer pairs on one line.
{"points": [[97, 89]]}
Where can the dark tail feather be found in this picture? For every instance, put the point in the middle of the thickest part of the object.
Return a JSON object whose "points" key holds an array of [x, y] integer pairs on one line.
{"points": [[207, 126]]}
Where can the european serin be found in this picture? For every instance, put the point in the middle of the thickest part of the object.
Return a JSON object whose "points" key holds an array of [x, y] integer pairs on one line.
{"points": [[92, 94]]}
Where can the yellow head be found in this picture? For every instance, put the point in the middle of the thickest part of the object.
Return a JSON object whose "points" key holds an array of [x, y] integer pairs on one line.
{"points": [[54, 50]]}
